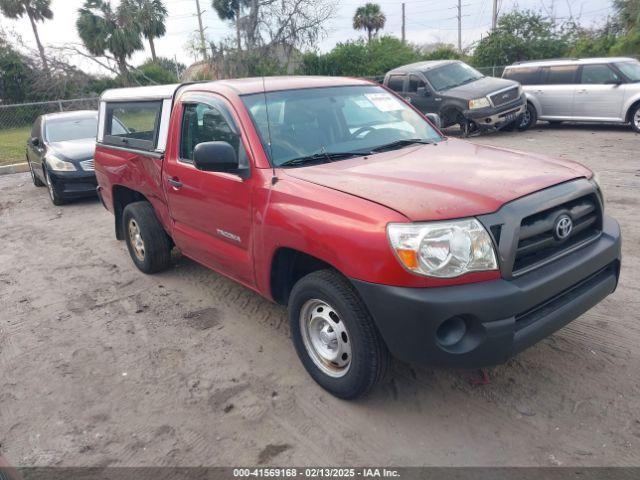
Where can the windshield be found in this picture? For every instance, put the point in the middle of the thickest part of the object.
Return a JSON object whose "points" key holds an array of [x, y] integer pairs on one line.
{"points": [[631, 70], [62, 130], [452, 75], [334, 120]]}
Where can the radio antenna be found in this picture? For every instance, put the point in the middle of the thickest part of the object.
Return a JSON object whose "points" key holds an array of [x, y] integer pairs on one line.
{"points": [[266, 112]]}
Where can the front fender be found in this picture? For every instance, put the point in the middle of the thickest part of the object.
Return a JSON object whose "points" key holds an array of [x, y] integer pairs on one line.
{"points": [[629, 103]]}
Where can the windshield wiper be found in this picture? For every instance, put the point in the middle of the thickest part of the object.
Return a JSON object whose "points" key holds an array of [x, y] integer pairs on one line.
{"points": [[400, 144], [319, 157]]}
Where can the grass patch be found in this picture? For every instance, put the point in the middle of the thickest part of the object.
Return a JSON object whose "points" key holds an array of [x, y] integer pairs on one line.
{"points": [[13, 144]]}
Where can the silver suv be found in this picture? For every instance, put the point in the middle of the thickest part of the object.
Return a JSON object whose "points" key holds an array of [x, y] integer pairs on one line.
{"points": [[603, 90]]}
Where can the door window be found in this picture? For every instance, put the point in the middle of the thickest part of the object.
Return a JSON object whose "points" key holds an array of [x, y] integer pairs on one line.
{"points": [[133, 124], [204, 123], [524, 75], [599, 75], [563, 75], [396, 83], [35, 130], [415, 83]]}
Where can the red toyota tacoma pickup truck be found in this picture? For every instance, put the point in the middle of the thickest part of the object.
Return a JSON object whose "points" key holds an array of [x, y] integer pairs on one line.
{"points": [[336, 198]]}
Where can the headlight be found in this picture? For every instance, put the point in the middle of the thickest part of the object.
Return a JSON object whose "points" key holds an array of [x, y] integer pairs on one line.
{"points": [[520, 90], [479, 103], [54, 163], [443, 249]]}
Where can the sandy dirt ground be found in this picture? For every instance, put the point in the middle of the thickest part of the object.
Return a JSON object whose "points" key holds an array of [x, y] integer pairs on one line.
{"points": [[102, 365]]}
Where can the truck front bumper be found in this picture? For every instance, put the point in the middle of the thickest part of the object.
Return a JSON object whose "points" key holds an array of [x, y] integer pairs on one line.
{"points": [[493, 118], [485, 324]]}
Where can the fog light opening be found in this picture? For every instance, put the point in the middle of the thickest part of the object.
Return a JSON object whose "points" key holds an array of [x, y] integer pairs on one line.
{"points": [[451, 331]]}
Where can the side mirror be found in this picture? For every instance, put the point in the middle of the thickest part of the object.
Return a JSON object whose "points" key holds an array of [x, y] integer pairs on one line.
{"points": [[215, 157], [423, 92], [35, 141], [435, 119]]}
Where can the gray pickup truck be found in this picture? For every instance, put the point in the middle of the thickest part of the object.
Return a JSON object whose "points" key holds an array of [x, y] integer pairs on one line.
{"points": [[459, 94]]}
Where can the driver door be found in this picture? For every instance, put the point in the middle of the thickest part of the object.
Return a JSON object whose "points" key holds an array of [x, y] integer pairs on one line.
{"points": [[210, 211]]}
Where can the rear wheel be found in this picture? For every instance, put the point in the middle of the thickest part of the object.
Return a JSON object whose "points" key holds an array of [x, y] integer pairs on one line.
{"points": [[34, 178], [528, 119], [635, 119], [147, 242], [54, 194], [334, 335]]}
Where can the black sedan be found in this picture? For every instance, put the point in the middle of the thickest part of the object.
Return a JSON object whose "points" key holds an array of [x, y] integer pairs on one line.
{"points": [[60, 154]]}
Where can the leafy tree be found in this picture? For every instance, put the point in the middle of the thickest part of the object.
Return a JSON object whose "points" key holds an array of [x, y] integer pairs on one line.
{"points": [[370, 18], [150, 73], [37, 11], [359, 58], [15, 74], [151, 15], [444, 52], [103, 29], [521, 35]]}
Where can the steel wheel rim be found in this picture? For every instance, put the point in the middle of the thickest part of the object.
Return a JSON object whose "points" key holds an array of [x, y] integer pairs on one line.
{"points": [[526, 118], [636, 119], [135, 238], [325, 338]]}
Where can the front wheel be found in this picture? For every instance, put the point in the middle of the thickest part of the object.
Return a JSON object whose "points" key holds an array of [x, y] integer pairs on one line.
{"points": [[34, 178], [55, 196], [635, 119], [334, 335], [528, 119], [147, 242]]}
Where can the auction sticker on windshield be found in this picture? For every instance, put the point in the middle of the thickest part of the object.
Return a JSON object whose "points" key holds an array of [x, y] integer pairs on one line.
{"points": [[384, 102]]}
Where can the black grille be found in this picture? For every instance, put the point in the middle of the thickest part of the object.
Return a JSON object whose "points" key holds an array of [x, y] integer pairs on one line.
{"points": [[507, 96], [538, 240]]}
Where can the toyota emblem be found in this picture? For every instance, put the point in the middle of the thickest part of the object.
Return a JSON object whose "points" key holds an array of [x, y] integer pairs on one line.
{"points": [[563, 227]]}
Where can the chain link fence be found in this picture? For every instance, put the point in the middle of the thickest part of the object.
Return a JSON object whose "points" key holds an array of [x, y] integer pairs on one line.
{"points": [[16, 121]]}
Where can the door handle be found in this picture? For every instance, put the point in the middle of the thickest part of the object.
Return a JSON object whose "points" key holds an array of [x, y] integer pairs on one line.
{"points": [[582, 91], [175, 182]]}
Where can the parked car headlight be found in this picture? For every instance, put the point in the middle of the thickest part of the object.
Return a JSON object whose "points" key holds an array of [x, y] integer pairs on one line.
{"points": [[54, 163], [443, 249], [479, 103], [520, 90]]}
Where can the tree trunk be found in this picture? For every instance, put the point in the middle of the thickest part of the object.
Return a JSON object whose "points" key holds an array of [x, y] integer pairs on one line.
{"points": [[43, 57], [153, 50], [369, 34], [239, 43], [124, 71]]}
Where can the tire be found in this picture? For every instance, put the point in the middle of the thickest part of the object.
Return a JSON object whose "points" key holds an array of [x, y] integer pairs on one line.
{"points": [[324, 307], [634, 117], [529, 118], [147, 242], [54, 194], [34, 178], [467, 127]]}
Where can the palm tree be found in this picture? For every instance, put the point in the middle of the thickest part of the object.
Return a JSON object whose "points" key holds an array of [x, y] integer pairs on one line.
{"points": [[151, 15], [230, 10], [369, 18], [37, 11], [103, 29]]}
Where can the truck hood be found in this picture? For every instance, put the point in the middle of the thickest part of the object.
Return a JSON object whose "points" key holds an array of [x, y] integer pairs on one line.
{"points": [[450, 179], [479, 88], [74, 150]]}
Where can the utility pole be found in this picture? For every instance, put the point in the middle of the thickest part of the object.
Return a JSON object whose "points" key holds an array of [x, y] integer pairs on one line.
{"points": [[404, 38], [494, 18], [203, 45], [460, 26]]}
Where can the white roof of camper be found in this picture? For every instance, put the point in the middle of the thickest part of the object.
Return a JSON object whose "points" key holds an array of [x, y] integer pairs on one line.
{"points": [[155, 92]]}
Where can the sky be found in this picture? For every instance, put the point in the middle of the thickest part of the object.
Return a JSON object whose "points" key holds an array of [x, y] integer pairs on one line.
{"points": [[427, 21]]}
